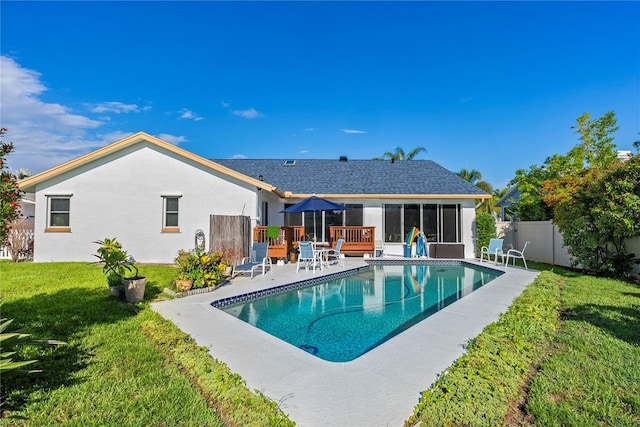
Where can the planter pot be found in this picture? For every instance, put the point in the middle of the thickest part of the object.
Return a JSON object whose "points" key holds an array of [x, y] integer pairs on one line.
{"points": [[183, 285], [228, 271], [134, 289], [116, 291]]}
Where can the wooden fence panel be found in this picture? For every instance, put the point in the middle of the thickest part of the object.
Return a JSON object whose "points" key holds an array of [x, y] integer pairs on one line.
{"points": [[230, 235]]}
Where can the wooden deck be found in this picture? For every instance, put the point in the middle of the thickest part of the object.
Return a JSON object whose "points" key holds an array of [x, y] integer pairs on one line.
{"points": [[284, 244], [358, 240]]}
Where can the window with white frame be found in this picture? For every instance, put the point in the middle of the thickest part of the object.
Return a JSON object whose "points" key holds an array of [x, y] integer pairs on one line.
{"points": [[170, 213], [59, 212]]}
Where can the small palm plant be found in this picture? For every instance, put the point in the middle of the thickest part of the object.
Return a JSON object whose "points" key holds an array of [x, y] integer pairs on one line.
{"points": [[9, 340]]}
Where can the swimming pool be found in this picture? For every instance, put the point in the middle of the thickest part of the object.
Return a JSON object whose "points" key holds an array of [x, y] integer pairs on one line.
{"points": [[342, 318]]}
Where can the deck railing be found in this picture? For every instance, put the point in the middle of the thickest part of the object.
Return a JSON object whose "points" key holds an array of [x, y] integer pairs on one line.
{"points": [[281, 246], [358, 240]]}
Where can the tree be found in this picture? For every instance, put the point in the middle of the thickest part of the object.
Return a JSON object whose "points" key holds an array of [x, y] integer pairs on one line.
{"points": [[595, 150], [475, 177], [9, 192], [595, 199], [597, 212], [399, 154], [530, 206]]}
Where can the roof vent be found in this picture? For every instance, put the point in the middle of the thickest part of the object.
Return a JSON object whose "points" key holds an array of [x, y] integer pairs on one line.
{"points": [[343, 159], [289, 162]]}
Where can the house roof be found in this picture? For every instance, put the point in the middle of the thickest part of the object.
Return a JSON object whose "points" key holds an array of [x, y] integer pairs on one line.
{"points": [[510, 196], [304, 177], [357, 178], [29, 184]]}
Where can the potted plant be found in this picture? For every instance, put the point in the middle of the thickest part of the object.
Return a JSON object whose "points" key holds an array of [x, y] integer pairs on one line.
{"points": [[199, 269], [187, 263], [116, 285], [117, 266]]}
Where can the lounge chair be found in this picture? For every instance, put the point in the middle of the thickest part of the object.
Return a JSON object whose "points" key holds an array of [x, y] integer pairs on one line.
{"points": [[513, 253], [307, 257], [257, 261], [495, 249], [333, 255]]}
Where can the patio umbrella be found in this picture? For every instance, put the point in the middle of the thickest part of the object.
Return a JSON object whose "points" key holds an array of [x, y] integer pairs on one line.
{"points": [[314, 204]]}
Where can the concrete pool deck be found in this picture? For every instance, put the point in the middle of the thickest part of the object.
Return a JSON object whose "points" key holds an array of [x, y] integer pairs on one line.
{"points": [[380, 388]]}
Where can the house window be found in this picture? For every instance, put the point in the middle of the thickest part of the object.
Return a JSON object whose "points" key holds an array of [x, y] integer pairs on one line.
{"points": [[170, 214], [450, 223], [439, 223], [354, 215], [58, 215], [392, 223]]}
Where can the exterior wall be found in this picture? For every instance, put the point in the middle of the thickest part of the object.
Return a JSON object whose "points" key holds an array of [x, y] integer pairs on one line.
{"points": [[120, 196]]}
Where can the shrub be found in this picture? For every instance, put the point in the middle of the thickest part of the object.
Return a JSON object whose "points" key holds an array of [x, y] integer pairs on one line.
{"points": [[486, 229]]}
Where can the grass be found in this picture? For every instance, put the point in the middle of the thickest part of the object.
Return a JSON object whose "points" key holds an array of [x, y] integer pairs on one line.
{"points": [[123, 364], [566, 353]]}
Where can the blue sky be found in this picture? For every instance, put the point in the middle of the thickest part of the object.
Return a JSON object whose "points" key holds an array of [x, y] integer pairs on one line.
{"points": [[492, 86]]}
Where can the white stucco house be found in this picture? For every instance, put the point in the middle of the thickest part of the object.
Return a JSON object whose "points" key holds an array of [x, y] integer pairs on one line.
{"points": [[153, 196]]}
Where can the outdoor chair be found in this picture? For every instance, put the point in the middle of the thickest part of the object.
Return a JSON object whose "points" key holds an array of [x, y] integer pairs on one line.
{"points": [[307, 256], [333, 255], [257, 261], [495, 249], [513, 253]]}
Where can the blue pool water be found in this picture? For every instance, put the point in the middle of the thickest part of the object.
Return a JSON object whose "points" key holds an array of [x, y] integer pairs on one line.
{"points": [[343, 318]]}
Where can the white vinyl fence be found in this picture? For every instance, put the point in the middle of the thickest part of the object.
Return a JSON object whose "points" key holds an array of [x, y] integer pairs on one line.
{"points": [[546, 244], [20, 238]]}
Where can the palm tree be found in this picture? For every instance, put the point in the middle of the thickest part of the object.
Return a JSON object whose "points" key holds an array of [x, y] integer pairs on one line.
{"points": [[475, 177], [471, 176], [399, 154]]}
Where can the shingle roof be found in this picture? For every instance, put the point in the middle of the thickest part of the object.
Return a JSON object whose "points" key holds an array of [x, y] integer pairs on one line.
{"points": [[355, 177]]}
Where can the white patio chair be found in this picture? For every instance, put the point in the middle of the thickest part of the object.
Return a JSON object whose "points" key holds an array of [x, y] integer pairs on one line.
{"points": [[516, 254]]}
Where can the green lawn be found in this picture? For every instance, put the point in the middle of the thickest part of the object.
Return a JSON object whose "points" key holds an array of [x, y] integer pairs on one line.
{"points": [[124, 365], [566, 353]]}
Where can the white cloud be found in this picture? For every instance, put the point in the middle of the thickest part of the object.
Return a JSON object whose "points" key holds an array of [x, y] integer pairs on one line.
{"points": [[44, 134], [311, 129], [466, 99], [239, 156], [353, 131], [189, 115], [115, 107], [176, 140], [251, 113]]}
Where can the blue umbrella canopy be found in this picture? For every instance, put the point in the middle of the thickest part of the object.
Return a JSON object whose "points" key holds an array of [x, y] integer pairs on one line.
{"points": [[314, 204]]}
